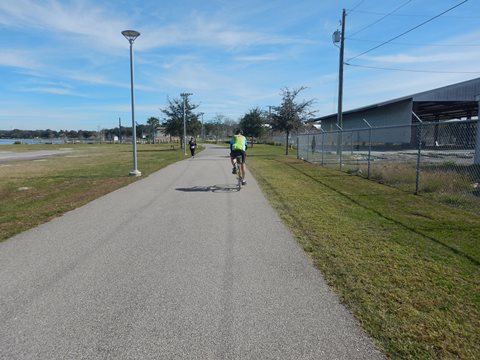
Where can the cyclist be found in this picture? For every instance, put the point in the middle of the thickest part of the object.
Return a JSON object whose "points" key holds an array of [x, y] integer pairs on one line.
{"points": [[238, 147]]}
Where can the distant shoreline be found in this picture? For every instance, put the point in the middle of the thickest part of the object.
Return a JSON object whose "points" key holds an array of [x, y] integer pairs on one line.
{"points": [[31, 141], [42, 141]]}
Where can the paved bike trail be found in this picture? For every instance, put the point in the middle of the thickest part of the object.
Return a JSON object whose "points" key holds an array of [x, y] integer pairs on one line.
{"points": [[8, 156], [174, 266]]}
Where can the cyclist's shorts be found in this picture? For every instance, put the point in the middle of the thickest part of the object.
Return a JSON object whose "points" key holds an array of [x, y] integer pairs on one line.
{"points": [[236, 153]]}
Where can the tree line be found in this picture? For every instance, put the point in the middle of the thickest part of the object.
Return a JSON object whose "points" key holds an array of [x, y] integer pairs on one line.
{"points": [[47, 134], [288, 117]]}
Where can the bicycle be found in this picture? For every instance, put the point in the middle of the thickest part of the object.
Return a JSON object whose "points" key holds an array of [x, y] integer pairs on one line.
{"points": [[238, 167]]}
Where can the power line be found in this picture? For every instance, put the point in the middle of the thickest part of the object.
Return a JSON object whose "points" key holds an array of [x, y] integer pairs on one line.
{"points": [[356, 6], [413, 44], [383, 17], [406, 32], [412, 70], [415, 15]]}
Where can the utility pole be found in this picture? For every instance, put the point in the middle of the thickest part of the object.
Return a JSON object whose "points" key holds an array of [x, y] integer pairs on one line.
{"points": [[339, 37], [119, 130], [340, 74]]}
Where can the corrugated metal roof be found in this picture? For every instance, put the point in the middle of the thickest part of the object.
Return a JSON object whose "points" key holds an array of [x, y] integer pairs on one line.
{"points": [[452, 101], [464, 91]]}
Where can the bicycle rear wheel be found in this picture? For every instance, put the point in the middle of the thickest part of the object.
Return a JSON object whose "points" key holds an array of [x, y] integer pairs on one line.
{"points": [[239, 175]]}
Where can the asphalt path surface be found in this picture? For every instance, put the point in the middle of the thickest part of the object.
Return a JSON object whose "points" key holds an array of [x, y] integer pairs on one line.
{"points": [[7, 156], [177, 265]]}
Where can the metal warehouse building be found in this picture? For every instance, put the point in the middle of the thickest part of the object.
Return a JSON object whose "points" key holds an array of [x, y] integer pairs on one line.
{"points": [[457, 101], [446, 103]]}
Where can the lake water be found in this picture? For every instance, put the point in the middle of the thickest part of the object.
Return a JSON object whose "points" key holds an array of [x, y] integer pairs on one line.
{"points": [[38, 141], [31, 141]]}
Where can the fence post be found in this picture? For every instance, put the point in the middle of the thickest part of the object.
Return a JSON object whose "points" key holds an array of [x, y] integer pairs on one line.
{"points": [[369, 146], [323, 142], [419, 153], [477, 138], [340, 145], [351, 143], [298, 148], [308, 147]]}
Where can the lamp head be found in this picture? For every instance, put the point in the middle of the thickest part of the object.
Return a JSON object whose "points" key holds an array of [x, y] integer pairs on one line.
{"points": [[130, 35]]}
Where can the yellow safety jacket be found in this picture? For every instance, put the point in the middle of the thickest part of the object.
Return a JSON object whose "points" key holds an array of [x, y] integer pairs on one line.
{"points": [[239, 142]]}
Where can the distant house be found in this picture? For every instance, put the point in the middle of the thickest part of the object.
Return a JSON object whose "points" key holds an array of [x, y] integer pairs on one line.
{"points": [[160, 137]]}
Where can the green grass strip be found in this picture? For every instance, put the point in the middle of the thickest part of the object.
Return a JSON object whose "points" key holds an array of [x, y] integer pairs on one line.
{"points": [[407, 267], [35, 191]]}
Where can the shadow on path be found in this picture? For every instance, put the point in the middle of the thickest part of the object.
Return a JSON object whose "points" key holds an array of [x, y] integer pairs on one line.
{"points": [[211, 188]]}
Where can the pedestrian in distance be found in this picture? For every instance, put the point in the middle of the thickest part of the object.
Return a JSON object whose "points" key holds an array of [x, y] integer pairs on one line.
{"points": [[193, 145]]}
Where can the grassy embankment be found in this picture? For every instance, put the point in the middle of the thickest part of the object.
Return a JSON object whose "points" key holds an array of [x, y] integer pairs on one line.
{"points": [[35, 191], [407, 267]]}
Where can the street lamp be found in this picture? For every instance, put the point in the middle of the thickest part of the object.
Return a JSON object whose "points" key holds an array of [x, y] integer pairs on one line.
{"points": [[131, 35], [201, 132], [270, 114], [184, 96]]}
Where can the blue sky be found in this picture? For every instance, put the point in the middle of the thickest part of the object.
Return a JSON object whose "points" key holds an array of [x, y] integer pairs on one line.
{"points": [[65, 65]]}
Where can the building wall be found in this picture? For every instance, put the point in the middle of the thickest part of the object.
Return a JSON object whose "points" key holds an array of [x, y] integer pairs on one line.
{"points": [[398, 116]]}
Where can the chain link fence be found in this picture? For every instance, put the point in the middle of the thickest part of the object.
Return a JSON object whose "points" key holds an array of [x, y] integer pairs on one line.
{"points": [[435, 159]]}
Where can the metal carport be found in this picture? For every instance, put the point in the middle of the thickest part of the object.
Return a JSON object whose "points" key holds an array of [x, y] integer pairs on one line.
{"points": [[456, 101]]}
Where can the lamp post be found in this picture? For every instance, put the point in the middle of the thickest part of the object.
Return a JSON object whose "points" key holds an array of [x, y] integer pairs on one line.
{"points": [[201, 132], [131, 35], [184, 96], [270, 107]]}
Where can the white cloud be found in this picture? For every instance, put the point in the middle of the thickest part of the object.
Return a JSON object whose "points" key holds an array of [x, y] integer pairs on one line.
{"points": [[92, 25], [18, 59], [449, 53], [51, 90], [257, 58], [201, 33], [57, 18], [429, 56], [91, 78]]}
